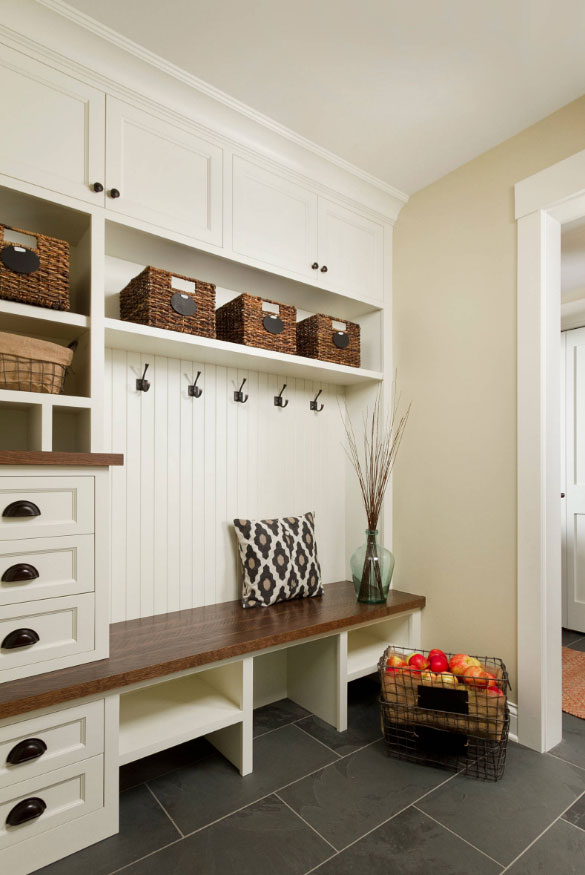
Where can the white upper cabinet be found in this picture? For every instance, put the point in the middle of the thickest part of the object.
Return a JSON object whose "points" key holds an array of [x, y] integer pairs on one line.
{"points": [[351, 252], [52, 131], [163, 173], [274, 219]]}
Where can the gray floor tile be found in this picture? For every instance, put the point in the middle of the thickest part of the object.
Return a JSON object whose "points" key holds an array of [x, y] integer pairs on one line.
{"points": [[276, 715], [202, 792], [410, 844], [579, 644], [144, 827], [560, 851], [363, 719], [576, 813], [262, 839], [572, 747], [570, 636], [352, 796], [166, 761], [502, 818]]}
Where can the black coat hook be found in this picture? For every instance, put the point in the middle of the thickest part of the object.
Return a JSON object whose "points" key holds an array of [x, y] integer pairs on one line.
{"points": [[142, 384], [194, 390], [279, 400], [239, 395], [313, 404]]}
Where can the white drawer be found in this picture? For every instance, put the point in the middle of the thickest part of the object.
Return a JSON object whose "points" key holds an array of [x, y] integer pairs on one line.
{"points": [[42, 744], [57, 506], [66, 794], [63, 626], [43, 568]]}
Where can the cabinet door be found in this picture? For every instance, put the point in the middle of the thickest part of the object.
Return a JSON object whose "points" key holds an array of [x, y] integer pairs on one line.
{"points": [[274, 219], [52, 128], [351, 246], [165, 174]]}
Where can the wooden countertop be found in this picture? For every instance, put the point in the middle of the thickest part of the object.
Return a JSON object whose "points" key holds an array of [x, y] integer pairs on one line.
{"points": [[156, 646], [33, 457]]}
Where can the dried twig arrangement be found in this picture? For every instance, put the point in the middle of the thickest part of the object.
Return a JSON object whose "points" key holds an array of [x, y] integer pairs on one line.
{"points": [[373, 463]]}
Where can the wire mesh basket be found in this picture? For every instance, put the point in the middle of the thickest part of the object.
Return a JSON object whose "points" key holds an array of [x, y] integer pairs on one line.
{"points": [[439, 720], [30, 365]]}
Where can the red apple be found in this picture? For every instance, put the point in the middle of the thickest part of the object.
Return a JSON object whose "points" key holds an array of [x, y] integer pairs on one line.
{"points": [[418, 661], [436, 652], [494, 691], [461, 661], [448, 680], [396, 661], [477, 676], [438, 663]]}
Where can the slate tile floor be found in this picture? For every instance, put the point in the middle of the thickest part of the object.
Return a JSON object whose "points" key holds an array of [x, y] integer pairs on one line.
{"points": [[334, 804]]}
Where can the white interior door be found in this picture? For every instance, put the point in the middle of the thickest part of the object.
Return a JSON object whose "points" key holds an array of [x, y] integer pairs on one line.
{"points": [[164, 173], [274, 219], [575, 478], [351, 247], [58, 142]]}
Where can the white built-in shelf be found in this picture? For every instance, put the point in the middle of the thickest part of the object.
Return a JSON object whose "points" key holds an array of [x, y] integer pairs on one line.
{"points": [[9, 396], [58, 324], [162, 715], [140, 338], [364, 649]]}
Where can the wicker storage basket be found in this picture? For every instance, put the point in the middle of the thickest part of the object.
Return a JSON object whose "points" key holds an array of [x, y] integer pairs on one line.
{"points": [[330, 340], [30, 365], [258, 322], [165, 300], [34, 272]]}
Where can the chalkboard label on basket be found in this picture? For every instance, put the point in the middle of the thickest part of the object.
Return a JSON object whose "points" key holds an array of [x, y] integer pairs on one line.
{"points": [[273, 324], [184, 305], [20, 260], [341, 339]]}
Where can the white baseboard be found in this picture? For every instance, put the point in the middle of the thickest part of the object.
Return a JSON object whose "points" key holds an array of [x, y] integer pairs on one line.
{"points": [[513, 707]]}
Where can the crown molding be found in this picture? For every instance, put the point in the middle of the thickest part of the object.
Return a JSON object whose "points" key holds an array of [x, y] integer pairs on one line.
{"points": [[106, 33]]}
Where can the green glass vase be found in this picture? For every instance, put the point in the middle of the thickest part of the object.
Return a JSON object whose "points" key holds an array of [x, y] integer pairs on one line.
{"points": [[371, 567]]}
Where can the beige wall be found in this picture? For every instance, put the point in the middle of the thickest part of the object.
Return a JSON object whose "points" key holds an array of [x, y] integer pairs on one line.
{"points": [[455, 348]]}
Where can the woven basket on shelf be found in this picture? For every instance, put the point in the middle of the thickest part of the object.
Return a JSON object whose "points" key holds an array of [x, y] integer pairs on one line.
{"points": [[29, 365], [258, 322], [34, 271], [330, 340], [168, 300]]}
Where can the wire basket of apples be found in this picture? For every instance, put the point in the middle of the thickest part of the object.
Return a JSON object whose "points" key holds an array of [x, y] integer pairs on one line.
{"points": [[453, 691]]}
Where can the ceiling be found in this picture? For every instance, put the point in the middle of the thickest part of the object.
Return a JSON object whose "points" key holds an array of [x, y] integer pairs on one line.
{"points": [[405, 90]]}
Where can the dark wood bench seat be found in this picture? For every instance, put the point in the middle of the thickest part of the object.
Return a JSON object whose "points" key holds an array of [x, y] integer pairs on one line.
{"points": [[156, 646]]}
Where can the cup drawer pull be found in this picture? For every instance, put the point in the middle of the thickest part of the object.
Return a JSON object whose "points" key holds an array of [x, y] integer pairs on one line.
{"points": [[27, 809], [24, 751], [20, 573], [21, 508], [20, 638]]}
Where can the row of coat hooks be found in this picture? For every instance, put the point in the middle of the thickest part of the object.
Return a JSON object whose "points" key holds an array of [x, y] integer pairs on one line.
{"points": [[195, 391]]}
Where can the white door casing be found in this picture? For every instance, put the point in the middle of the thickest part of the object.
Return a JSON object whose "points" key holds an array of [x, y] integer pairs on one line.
{"points": [[58, 142], [166, 175], [575, 479]]}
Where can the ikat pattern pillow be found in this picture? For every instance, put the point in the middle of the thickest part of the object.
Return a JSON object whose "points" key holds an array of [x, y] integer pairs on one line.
{"points": [[279, 560]]}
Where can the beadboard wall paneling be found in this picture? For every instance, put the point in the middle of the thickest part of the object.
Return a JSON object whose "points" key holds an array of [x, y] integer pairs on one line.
{"points": [[193, 464]]}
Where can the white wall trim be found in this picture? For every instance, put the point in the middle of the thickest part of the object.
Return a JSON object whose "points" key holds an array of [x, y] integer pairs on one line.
{"points": [[513, 732], [127, 45], [543, 201]]}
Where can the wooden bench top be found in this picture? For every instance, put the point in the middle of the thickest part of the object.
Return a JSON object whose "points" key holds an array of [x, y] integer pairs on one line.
{"points": [[153, 647], [38, 457]]}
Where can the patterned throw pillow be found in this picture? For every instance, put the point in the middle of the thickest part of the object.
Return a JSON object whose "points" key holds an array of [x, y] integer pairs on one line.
{"points": [[279, 560]]}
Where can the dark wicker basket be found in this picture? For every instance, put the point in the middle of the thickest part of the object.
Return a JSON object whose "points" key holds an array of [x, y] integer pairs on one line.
{"points": [[30, 365], [258, 322], [151, 299], [34, 274], [329, 339], [431, 719]]}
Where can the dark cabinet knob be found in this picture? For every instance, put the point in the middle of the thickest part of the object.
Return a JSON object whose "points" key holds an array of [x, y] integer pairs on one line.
{"points": [[97, 187], [562, 494], [24, 751], [20, 638], [27, 809], [20, 573], [114, 193], [314, 265], [324, 269], [21, 508]]}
